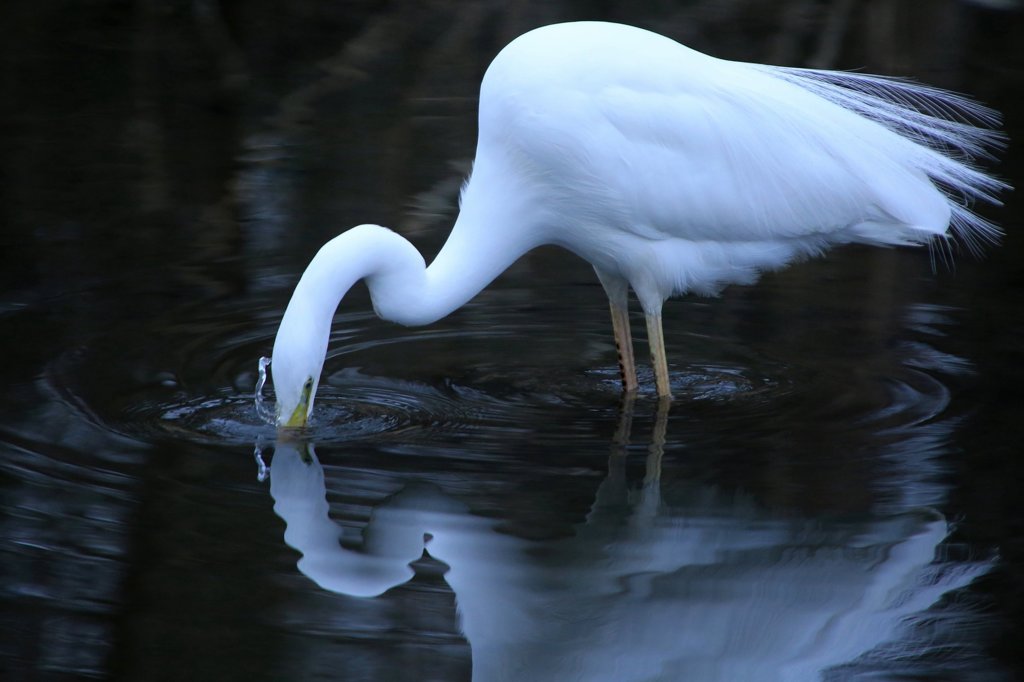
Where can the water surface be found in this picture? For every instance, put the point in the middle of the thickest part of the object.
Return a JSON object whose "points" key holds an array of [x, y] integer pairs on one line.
{"points": [[834, 494]]}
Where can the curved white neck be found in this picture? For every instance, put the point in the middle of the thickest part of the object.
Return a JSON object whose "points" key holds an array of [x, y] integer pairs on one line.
{"points": [[402, 288]]}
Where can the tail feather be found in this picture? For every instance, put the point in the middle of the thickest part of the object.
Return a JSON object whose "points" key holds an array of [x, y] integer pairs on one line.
{"points": [[951, 133]]}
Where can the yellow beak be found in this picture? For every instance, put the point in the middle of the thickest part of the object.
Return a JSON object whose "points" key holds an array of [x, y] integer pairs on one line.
{"points": [[297, 420]]}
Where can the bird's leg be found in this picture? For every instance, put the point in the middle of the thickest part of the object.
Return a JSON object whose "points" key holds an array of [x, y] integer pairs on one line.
{"points": [[656, 340], [624, 346]]}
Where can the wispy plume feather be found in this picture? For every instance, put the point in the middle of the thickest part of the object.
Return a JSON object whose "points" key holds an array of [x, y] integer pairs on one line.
{"points": [[952, 133]]}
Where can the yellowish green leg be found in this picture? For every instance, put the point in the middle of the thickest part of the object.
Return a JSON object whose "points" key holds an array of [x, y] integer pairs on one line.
{"points": [[656, 340], [624, 345]]}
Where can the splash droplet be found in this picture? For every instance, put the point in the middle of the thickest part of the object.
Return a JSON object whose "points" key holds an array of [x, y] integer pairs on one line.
{"points": [[265, 411]]}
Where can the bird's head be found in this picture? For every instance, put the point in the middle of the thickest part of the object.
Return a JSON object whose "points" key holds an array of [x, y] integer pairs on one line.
{"points": [[296, 417], [297, 361], [372, 252], [295, 385]]}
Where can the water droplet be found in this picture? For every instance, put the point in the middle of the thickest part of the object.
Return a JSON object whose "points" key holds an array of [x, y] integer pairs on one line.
{"points": [[265, 411]]}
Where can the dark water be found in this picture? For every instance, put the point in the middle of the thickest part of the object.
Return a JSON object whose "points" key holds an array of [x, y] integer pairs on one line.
{"points": [[834, 494]]}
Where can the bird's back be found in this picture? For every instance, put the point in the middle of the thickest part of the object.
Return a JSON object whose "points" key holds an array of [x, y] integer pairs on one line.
{"points": [[615, 133]]}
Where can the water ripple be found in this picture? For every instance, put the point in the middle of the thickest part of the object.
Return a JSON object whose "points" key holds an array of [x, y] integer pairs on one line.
{"points": [[478, 380]]}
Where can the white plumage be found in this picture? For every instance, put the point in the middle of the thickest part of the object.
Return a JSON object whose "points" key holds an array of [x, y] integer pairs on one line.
{"points": [[670, 172]]}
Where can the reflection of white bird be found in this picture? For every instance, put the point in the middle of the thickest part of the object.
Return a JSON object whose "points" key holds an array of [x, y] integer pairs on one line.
{"points": [[670, 172], [715, 589]]}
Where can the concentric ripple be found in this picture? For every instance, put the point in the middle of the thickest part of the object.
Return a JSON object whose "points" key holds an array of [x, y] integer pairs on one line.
{"points": [[196, 380]]}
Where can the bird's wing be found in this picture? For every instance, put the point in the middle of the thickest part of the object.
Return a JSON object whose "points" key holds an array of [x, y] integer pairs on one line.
{"points": [[607, 121], [758, 163], [758, 153]]}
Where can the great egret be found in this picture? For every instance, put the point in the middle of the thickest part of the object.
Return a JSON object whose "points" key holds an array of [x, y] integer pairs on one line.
{"points": [[669, 171]]}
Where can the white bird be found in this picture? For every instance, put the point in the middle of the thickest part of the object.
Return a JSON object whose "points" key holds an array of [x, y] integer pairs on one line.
{"points": [[669, 171]]}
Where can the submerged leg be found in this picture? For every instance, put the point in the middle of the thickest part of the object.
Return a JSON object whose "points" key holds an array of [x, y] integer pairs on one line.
{"points": [[614, 491], [624, 345], [656, 450], [656, 340], [621, 437]]}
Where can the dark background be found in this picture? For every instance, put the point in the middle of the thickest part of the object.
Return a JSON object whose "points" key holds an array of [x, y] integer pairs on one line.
{"points": [[168, 168]]}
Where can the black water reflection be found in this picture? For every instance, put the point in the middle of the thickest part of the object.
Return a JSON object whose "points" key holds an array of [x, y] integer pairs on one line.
{"points": [[788, 516], [663, 580], [785, 518]]}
